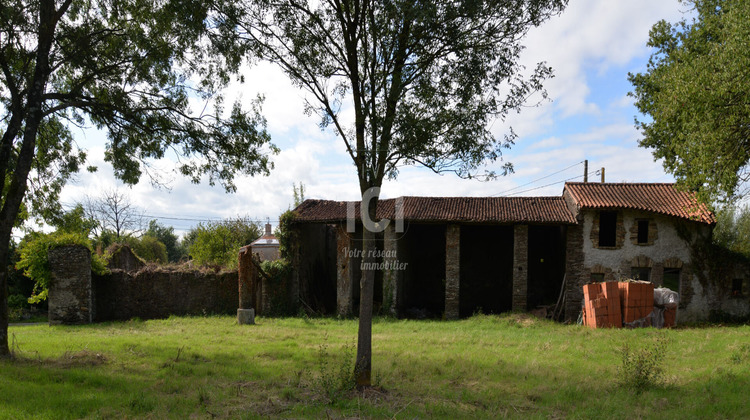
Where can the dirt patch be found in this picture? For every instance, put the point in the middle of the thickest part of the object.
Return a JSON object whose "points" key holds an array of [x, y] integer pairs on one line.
{"points": [[82, 358]]}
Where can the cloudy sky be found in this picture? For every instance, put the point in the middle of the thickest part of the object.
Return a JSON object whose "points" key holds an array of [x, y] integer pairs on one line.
{"points": [[592, 46]]}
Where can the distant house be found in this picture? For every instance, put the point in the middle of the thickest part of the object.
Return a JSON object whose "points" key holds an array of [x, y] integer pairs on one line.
{"points": [[453, 256], [267, 246]]}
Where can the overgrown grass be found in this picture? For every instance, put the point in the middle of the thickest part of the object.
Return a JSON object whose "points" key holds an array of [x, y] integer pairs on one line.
{"points": [[482, 367]]}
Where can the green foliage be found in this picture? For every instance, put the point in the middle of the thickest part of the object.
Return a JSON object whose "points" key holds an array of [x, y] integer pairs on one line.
{"points": [[33, 260], [74, 221], [335, 372], [149, 248], [694, 96], [219, 243], [166, 235], [17, 301], [104, 239], [732, 230], [299, 194], [642, 368], [286, 235]]}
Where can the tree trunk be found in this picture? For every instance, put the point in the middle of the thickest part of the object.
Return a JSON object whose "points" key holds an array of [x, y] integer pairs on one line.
{"points": [[14, 194], [363, 367], [4, 349]]}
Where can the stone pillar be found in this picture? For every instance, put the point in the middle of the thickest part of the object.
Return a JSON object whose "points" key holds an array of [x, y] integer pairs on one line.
{"points": [[70, 299], [575, 277], [344, 271], [393, 274], [520, 267], [452, 270], [246, 271]]}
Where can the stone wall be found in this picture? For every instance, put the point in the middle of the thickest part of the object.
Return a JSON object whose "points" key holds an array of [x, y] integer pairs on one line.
{"points": [[70, 299], [520, 266], [574, 272], [452, 271], [158, 293]]}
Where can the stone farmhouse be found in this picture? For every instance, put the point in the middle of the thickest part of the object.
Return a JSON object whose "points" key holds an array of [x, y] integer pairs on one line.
{"points": [[453, 256]]}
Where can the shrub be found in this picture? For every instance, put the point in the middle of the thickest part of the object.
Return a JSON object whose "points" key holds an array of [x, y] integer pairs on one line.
{"points": [[218, 243], [17, 301], [642, 368], [149, 248], [336, 374]]}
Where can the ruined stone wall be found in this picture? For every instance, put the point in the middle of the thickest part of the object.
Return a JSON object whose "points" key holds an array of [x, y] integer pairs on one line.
{"points": [[158, 293], [70, 299]]}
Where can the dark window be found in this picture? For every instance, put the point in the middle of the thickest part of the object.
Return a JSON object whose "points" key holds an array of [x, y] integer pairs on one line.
{"points": [[597, 277], [643, 231], [641, 273], [672, 279], [608, 228], [737, 287]]}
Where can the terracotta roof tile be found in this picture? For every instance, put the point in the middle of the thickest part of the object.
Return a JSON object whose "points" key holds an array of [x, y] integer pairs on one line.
{"points": [[661, 198], [445, 209]]}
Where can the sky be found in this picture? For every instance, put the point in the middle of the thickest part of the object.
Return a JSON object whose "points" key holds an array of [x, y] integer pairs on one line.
{"points": [[592, 46]]}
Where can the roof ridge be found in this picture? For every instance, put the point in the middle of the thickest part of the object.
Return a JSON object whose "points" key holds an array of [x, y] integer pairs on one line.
{"points": [[621, 183]]}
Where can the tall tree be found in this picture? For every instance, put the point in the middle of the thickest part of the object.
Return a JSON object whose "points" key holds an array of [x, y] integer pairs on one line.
{"points": [[131, 67], [402, 83], [695, 95], [114, 211], [166, 235]]}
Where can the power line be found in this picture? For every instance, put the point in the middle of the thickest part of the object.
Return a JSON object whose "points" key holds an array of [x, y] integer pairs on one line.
{"points": [[597, 172], [538, 179], [186, 218]]}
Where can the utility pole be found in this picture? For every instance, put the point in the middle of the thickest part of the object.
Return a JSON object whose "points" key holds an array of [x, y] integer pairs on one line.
{"points": [[602, 175], [586, 170]]}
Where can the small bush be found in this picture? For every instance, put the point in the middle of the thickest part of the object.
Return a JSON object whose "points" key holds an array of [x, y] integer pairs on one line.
{"points": [[642, 368], [217, 243], [336, 373]]}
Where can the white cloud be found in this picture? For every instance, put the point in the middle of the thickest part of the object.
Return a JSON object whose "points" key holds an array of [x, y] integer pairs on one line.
{"points": [[591, 39]]}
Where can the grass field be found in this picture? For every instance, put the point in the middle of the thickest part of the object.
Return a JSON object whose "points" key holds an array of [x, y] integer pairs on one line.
{"points": [[482, 367]]}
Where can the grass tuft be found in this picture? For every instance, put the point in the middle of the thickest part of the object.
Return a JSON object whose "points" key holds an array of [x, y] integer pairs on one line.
{"points": [[642, 368]]}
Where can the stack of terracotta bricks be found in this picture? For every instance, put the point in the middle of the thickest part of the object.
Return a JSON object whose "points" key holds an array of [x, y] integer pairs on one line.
{"points": [[602, 305], [637, 300]]}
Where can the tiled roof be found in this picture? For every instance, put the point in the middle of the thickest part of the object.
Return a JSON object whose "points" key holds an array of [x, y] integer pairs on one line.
{"points": [[445, 209], [657, 198]]}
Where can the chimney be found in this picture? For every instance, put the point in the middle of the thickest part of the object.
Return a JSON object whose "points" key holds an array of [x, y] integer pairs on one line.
{"points": [[268, 225]]}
